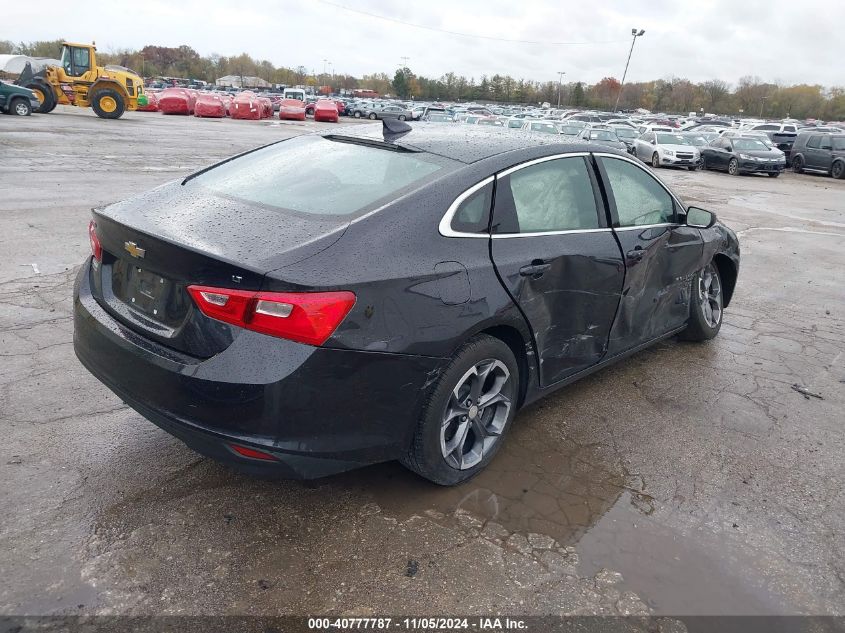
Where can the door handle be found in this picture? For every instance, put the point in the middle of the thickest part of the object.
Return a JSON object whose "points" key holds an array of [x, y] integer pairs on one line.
{"points": [[536, 269], [636, 254]]}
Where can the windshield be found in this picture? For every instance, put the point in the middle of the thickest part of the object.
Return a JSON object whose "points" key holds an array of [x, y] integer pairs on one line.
{"points": [[749, 144], [318, 176], [672, 139], [602, 135], [543, 127], [626, 132], [570, 130]]}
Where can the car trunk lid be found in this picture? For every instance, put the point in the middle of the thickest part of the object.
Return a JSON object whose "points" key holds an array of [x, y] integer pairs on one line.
{"points": [[157, 244]]}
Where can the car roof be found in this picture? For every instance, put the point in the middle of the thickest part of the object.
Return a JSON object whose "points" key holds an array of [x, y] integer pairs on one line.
{"points": [[465, 144]]}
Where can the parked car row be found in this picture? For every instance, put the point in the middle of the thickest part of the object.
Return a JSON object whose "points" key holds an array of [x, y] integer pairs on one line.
{"points": [[243, 105]]}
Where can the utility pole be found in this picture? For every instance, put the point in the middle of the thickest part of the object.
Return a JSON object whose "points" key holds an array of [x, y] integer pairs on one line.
{"points": [[762, 103], [405, 61], [560, 75], [636, 34]]}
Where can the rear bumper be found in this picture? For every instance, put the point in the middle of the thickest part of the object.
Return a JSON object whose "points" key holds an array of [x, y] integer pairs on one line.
{"points": [[317, 410]]}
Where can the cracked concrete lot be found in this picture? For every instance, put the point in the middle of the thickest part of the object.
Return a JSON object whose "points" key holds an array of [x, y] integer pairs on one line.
{"points": [[689, 479]]}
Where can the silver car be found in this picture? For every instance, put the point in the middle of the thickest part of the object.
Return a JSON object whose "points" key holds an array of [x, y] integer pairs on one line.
{"points": [[390, 112]]}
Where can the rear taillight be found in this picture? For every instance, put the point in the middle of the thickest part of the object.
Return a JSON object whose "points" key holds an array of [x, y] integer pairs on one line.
{"points": [[251, 453], [96, 247], [305, 317]]}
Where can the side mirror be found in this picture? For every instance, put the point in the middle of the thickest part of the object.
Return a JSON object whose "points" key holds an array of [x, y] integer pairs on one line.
{"points": [[729, 149], [699, 218]]}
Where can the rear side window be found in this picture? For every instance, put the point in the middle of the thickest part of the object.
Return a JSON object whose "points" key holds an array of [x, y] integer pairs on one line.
{"points": [[555, 195], [640, 199], [473, 215], [824, 143], [314, 175]]}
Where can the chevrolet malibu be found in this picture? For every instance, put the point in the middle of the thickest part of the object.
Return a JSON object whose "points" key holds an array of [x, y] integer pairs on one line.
{"points": [[346, 298]]}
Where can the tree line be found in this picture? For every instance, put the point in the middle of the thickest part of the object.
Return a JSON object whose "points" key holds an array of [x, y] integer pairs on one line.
{"points": [[751, 96]]}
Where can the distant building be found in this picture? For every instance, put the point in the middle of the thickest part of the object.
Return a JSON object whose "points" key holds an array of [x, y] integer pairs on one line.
{"points": [[238, 81], [365, 93]]}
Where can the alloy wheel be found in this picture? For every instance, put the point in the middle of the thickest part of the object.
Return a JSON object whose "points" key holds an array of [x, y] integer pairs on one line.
{"points": [[733, 167], [710, 295], [655, 160], [476, 414], [21, 109]]}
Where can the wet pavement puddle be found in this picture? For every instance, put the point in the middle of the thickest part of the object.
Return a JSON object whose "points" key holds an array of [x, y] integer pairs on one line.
{"points": [[580, 496]]}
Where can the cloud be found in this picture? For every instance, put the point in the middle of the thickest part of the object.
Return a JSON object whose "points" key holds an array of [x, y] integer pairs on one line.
{"points": [[716, 39]]}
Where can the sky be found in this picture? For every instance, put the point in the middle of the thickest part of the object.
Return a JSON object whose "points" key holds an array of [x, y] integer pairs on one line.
{"points": [[779, 41]]}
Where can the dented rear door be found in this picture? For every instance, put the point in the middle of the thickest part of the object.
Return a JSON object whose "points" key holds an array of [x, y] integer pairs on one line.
{"points": [[559, 261]]}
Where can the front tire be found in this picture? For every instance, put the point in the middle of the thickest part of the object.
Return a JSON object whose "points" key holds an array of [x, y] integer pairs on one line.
{"points": [[372, 116], [797, 165], [655, 160], [357, 115], [466, 414], [44, 92], [774, 174], [706, 305], [401, 117], [733, 167], [108, 104], [20, 107]]}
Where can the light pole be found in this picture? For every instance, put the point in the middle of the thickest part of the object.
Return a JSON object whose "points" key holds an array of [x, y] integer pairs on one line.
{"points": [[636, 34], [762, 103], [560, 75]]}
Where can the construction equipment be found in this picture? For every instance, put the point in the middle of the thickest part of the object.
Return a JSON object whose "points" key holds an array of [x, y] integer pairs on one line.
{"points": [[79, 81]]}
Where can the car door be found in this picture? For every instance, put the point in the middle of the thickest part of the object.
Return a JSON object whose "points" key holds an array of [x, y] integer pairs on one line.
{"points": [[661, 253], [645, 145], [558, 259], [824, 157], [810, 151]]}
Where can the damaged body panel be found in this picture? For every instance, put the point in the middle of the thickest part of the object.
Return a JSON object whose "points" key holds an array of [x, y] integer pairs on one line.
{"points": [[197, 305]]}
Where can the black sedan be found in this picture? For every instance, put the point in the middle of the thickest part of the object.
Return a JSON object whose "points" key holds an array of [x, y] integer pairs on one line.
{"points": [[738, 155], [346, 298]]}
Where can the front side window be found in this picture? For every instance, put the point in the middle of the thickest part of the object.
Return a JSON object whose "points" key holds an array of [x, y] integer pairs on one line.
{"points": [[554, 195], [640, 199], [814, 142]]}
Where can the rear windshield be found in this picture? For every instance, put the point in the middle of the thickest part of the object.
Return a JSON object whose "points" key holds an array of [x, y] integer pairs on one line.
{"points": [[314, 175], [602, 135]]}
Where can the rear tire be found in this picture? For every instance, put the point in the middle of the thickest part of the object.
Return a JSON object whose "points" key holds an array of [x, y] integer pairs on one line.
{"points": [[456, 438], [774, 174], [706, 305], [837, 170], [692, 167], [797, 165], [108, 104], [401, 117], [20, 107]]}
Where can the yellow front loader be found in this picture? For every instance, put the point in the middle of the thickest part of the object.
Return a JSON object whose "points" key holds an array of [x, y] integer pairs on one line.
{"points": [[79, 81]]}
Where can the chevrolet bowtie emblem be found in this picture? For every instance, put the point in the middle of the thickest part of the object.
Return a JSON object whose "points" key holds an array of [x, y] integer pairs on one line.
{"points": [[132, 249]]}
